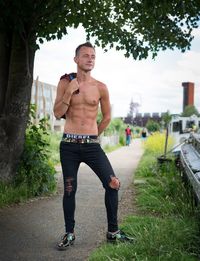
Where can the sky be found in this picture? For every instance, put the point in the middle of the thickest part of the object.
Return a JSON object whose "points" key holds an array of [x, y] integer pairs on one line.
{"points": [[155, 84]]}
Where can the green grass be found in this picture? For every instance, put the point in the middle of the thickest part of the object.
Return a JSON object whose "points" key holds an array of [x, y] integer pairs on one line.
{"points": [[10, 194], [156, 239], [108, 148], [54, 140], [166, 226]]}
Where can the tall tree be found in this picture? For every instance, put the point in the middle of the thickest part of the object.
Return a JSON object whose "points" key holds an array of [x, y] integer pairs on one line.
{"points": [[136, 27], [189, 111]]}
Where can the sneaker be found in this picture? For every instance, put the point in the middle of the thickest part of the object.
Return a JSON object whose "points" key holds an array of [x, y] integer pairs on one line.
{"points": [[119, 236], [67, 240]]}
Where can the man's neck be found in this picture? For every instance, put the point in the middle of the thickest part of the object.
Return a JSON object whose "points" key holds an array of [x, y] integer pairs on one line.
{"points": [[83, 76]]}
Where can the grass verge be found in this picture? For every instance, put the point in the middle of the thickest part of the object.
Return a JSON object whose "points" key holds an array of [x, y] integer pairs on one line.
{"points": [[54, 141], [108, 148], [166, 225]]}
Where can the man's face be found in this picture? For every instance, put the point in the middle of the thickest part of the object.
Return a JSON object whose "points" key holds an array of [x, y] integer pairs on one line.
{"points": [[85, 59]]}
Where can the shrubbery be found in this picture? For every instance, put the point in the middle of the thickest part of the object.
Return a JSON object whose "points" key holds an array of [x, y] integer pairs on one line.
{"points": [[35, 170], [35, 173], [152, 126]]}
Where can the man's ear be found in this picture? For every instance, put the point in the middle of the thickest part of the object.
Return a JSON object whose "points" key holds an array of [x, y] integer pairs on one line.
{"points": [[75, 59]]}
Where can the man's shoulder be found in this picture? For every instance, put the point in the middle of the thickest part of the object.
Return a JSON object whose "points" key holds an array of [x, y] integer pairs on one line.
{"points": [[97, 81], [65, 79], [68, 76], [100, 85]]}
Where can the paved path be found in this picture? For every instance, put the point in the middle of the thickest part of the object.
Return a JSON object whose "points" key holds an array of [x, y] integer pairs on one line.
{"points": [[29, 232]]}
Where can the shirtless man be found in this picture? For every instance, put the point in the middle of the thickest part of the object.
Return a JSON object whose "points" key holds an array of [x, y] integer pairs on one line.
{"points": [[78, 100]]}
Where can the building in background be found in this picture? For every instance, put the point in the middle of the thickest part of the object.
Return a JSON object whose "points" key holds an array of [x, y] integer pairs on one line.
{"points": [[188, 94], [142, 119], [43, 96]]}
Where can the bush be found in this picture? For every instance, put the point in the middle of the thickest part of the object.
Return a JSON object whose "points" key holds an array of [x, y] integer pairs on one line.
{"points": [[35, 170], [190, 110], [155, 143], [122, 140], [152, 126]]}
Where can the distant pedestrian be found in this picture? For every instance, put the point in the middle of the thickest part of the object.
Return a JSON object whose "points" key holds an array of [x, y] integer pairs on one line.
{"points": [[128, 135], [144, 134]]}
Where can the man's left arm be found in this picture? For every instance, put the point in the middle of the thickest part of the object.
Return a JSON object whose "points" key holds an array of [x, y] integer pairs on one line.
{"points": [[105, 109]]}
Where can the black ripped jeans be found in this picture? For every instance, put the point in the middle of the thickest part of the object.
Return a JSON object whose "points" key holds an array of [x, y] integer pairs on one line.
{"points": [[71, 155]]}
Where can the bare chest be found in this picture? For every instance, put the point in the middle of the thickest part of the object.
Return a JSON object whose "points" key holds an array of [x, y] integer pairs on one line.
{"points": [[87, 96]]}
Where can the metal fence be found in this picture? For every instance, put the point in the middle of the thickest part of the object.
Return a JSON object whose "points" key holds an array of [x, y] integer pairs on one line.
{"points": [[190, 162]]}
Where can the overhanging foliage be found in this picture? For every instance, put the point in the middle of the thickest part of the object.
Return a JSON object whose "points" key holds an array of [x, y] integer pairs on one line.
{"points": [[138, 27]]}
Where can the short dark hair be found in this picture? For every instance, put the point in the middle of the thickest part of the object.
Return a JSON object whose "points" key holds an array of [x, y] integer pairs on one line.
{"points": [[87, 44]]}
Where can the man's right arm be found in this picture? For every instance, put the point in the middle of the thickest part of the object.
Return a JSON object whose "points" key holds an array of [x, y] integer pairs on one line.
{"points": [[63, 96]]}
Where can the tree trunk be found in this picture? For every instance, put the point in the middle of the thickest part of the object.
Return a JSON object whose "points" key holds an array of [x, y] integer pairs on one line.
{"points": [[4, 67], [16, 100], [166, 141]]}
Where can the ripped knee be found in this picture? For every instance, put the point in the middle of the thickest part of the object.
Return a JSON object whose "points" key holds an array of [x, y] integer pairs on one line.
{"points": [[114, 183], [68, 185]]}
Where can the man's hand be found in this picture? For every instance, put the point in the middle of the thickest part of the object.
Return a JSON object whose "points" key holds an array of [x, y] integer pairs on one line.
{"points": [[73, 87]]}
